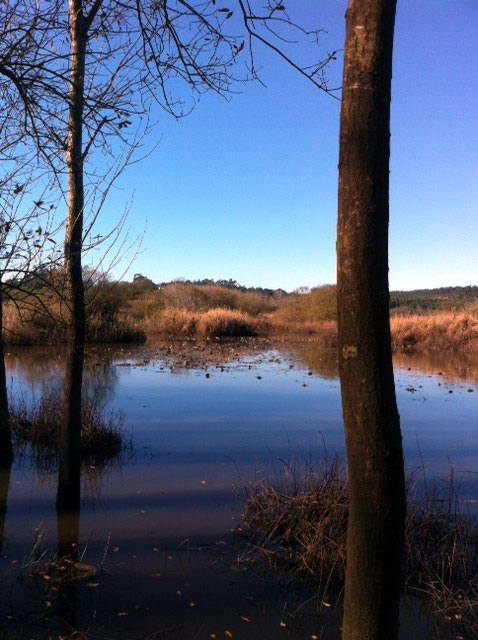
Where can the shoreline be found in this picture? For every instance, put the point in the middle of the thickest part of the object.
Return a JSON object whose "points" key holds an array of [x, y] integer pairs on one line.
{"points": [[444, 331]]}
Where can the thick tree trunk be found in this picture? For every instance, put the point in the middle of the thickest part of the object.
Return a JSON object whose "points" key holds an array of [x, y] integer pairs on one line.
{"points": [[6, 450], [372, 428], [70, 445]]}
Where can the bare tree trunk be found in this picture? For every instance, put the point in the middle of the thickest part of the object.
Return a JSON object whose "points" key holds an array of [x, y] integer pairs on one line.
{"points": [[372, 427], [6, 450], [73, 250]]}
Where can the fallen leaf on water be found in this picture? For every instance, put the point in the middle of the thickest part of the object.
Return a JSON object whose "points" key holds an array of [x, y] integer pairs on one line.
{"points": [[244, 618], [325, 604], [228, 634]]}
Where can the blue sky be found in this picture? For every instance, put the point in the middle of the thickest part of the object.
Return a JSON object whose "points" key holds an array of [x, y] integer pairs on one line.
{"points": [[246, 189]]}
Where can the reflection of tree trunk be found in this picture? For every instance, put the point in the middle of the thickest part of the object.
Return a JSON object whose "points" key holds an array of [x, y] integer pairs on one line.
{"points": [[373, 439], [4, 484], [6, 452], [68, 494], [68, 524]]}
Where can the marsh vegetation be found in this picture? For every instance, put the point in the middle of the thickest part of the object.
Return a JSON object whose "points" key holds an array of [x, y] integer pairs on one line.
{"points": [[158, 519], [138, 311]]}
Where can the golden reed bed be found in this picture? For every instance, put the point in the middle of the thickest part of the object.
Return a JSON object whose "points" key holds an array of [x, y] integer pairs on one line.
{"points": [[433, 331]]}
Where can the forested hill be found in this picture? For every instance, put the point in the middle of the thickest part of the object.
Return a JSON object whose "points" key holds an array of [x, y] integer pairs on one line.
{"points": [[226, 284], [440, 298]]}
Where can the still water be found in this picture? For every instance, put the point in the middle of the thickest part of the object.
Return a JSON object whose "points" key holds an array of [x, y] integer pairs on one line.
{"points": [[156, 527]]}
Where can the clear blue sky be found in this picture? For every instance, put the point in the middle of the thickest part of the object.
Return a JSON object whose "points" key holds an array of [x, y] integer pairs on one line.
{"points": [[247, 189]]}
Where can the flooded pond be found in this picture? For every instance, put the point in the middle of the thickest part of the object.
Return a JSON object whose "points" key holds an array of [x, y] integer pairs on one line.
{"points": [[155, 533]]}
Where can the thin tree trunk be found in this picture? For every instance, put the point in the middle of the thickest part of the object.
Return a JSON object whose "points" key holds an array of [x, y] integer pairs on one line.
{"points": [[70, 445], [372, 427], [6, 450]]}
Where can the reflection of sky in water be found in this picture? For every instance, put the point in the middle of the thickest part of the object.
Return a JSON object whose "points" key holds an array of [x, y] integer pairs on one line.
{"points": [[196, 436]]}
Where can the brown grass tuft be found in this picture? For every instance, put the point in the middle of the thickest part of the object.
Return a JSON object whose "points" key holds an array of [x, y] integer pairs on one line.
{"points": [[223, 323], [38, 427], [215, 323], [299, 526], [443, 330], [25, 326]]}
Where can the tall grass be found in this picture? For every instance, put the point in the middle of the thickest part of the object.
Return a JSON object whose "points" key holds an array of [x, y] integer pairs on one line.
{"points": [[298, 525], [215, 323], [25, 325], [37, 428], [132, 312], [441, 330], [202, 298], [320, 305]]}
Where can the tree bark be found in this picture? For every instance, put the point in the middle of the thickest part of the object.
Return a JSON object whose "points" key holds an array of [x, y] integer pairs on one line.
{"points": [[6, 449], [70, 445], [372, 427]]}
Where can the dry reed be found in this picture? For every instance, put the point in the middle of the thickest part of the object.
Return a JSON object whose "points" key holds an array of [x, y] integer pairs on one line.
{"points": [[24, 326], [298, 526], [215, 323], [442, 330], [106, 323], [37, 427]]}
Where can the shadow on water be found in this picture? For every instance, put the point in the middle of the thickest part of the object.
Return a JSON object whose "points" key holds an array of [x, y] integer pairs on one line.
{"points": [[5, 470]]}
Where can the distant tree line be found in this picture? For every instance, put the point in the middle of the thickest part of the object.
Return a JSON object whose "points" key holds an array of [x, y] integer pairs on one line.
{"points": [[209, 282], [441, 298]]}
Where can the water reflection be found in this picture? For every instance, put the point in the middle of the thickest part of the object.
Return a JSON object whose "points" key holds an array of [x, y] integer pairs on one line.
{"points": [[453, 366], [68, 534], [204, 417], [69, 465], [5, 471]]}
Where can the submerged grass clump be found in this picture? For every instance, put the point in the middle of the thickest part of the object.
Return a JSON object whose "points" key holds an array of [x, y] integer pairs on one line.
{"points": [[299, 524], [38, 427]]}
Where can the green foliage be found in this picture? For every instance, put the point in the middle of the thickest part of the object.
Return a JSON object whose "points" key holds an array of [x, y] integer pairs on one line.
{"points": [[440, 299]]}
